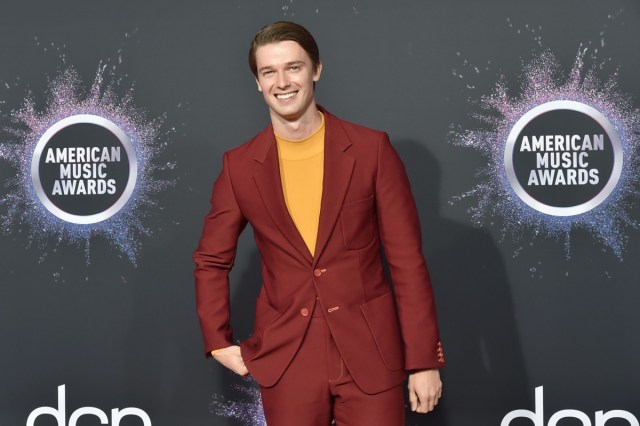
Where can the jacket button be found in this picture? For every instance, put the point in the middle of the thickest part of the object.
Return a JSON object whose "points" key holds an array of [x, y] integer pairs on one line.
{"points": [[317, 272], [304, 312]]}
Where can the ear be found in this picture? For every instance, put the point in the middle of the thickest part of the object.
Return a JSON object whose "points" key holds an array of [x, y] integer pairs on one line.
{"points": [[258, 83], [316, 74]]}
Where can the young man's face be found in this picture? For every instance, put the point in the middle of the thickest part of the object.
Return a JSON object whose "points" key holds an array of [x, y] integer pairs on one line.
{"points": [[285, 78]]}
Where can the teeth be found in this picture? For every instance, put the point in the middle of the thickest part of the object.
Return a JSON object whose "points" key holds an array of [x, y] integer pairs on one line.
{"points": [[286, 96]]}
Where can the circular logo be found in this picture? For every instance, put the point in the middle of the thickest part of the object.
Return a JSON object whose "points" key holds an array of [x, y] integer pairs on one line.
{"points": [[563, 158], [84, 169]]}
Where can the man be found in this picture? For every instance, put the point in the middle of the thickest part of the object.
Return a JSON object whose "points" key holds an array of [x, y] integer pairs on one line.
{"points": [[332, 339]]}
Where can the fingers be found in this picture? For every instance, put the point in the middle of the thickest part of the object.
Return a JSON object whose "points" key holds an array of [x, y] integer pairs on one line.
{"points": [[242, 371], [425, 402], [239, 367], [425, 389], [413, 400], [428, 405], [232, 359]]}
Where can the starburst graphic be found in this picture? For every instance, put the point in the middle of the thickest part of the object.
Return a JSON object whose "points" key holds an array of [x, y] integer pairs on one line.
{"points": [[247, 409], [543, 81], [66, 96]]}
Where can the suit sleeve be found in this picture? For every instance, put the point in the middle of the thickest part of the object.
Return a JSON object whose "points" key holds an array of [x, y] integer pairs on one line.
{"points": [[214, 259], [401, 237]]}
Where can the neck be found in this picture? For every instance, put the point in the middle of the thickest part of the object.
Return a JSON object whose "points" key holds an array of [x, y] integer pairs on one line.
{"points": [[298, 128]]}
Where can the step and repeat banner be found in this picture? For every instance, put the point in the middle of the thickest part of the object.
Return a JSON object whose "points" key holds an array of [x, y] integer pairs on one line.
{"points": [[518, 123]]}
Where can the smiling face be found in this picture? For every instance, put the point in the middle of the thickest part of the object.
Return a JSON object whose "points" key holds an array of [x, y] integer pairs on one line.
{"points": [[286, 76]]}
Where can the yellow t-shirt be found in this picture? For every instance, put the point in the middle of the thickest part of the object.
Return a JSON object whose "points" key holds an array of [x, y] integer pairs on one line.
{"points": [[301, 172]]}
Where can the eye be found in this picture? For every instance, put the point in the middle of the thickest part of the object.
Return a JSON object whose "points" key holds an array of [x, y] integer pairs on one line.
{"points": [[294, 67], [267, 73]]}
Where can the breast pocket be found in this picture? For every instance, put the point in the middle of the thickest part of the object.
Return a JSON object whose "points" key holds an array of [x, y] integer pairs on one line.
{"points": [[357, 220]]}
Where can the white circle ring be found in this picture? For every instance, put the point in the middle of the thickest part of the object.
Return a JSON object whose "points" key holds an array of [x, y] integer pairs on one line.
{"points": [[128, 147], [564, 105]]}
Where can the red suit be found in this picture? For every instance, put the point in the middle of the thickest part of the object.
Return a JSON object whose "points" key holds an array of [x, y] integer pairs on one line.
{"points": [[380, 331]]}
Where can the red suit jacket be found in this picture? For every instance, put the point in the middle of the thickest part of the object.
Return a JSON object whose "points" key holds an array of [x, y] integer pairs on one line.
{"points": [[381, 330]]}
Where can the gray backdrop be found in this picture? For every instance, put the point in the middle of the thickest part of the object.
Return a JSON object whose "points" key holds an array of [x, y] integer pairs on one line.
{"points": [[515, 312]]}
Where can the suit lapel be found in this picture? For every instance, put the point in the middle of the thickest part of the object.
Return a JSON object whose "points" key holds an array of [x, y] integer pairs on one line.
{"points": [[338, 167], [266, 176]]}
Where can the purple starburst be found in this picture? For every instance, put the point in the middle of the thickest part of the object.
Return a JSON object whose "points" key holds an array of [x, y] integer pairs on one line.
{"points": [[66, 96], [544, 81], [248, 410]]}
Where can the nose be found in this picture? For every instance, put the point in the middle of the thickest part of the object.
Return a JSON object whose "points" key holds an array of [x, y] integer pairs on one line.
{"points": [[283, 80]]}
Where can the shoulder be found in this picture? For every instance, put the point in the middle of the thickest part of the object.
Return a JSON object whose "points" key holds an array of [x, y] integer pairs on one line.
{"points": [[351, 128], [255, 147], [361, 141]]}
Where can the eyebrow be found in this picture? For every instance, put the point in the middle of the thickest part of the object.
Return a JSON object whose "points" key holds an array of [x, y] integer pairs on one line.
{"points": [[288, 64]]}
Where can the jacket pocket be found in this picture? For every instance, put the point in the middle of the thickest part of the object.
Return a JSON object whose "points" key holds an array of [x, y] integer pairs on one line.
{"points": [[266, 315], [356, 220], [382, 319]]}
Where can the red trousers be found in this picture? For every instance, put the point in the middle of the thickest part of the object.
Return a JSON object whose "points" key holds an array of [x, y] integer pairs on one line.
{"points": [[317, 388]]}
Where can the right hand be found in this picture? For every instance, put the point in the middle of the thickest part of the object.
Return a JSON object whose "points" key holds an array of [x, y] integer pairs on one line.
{"points": [[231, 358]]}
